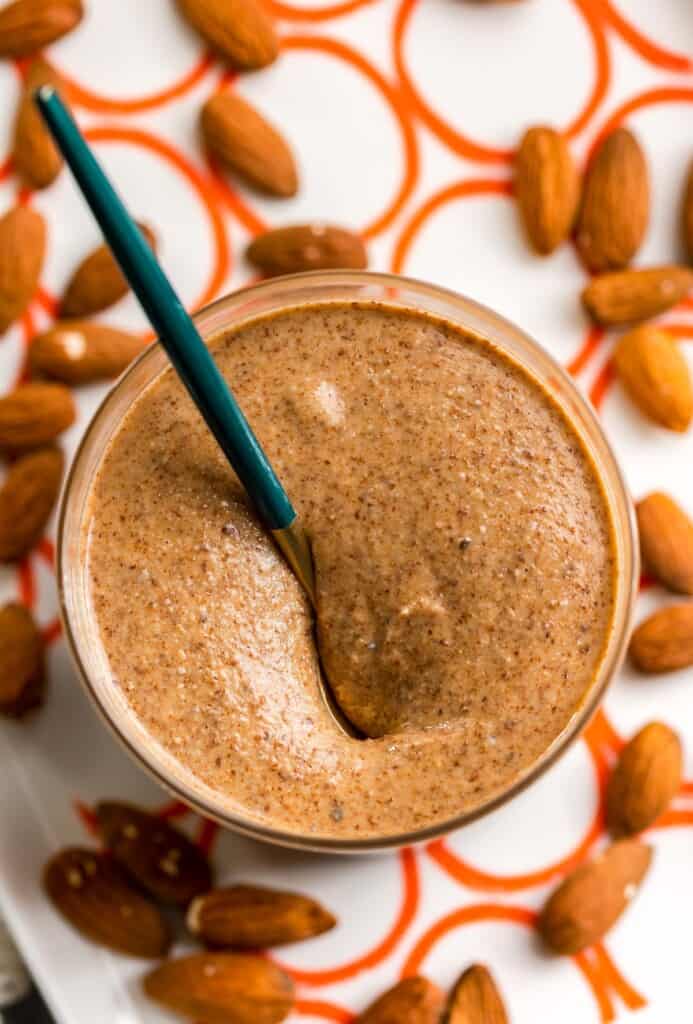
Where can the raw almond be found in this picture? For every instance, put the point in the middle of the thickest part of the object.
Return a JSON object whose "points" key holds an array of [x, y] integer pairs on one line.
{"points": [[28, 25], [158, 856], [90, 892], [22, 662], [646, 777], [22, 252], [222, 988], [27, 498], [546, 187], [98, 282], [248, 917], [35, 155], [33, 415], [475, 999], [303, 247], [244, 142], [412, 1001], [630, 296], [664, 641], [78, 352], [616, 203], [591, 899], [655, 374], [238, 29], [666, 541], [687, 215]]}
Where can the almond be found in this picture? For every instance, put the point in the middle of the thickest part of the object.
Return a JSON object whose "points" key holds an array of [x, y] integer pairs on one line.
{"points": [[27, 498], [630, 296], [222, 988], [655, 374], [33, 415], [593, 897], [616, 203], [302, 247], [158, 856], [687, 215], [475, 999], [28, 25], [411, 1001], [78, 352], [35, 155], [546, 187], [22, 252], [90, 892], [237, 29], [247, 917], [645, 779], [22, 662], [666, 542], [664, 641], [244, 142], [98, 281]]}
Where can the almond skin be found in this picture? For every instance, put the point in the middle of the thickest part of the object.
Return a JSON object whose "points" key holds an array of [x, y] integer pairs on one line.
{"points": [[546, 187], [645, 779], [34, 415], [304, 247], [156, 855], [655, 374], [79, 352], [237, 29], [666, 541], [35, 155], [664, 641], [27, 498], [248, 917], [245, 143], [412, 1001], [631, 296], [593, 897], [475, 999], [616, 203], [98, 282], [222, 988], [687, 215], [90, 892], [22, 252], [28, 25], [22, 662]]}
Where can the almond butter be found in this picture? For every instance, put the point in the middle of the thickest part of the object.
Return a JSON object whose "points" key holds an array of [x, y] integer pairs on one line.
{"points": [[303, 247], [664, 641], [222, 988], [244, 142], [22, 252], [546, 187], [79, 352], [98, 282], [687, 215], [593, 897], [248, 917], [22, 662], [411, 1001], [28, 25], [666, 542], [630, 296], [645, 779], [35, 155], [237, 29], [655, 374], [90, 892], [34, 415], [27, 498], [616, 203], [156, 855], [475, 999]]}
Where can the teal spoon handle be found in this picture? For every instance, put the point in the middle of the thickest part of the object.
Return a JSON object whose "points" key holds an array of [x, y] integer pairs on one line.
{"points": [[167, 315]]}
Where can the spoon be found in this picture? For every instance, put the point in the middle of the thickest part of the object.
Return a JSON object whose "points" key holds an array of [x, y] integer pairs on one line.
{"points": [[189, 355]]}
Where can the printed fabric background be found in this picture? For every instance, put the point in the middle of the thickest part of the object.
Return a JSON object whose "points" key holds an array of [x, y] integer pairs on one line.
{"points": [[403, 115]]}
